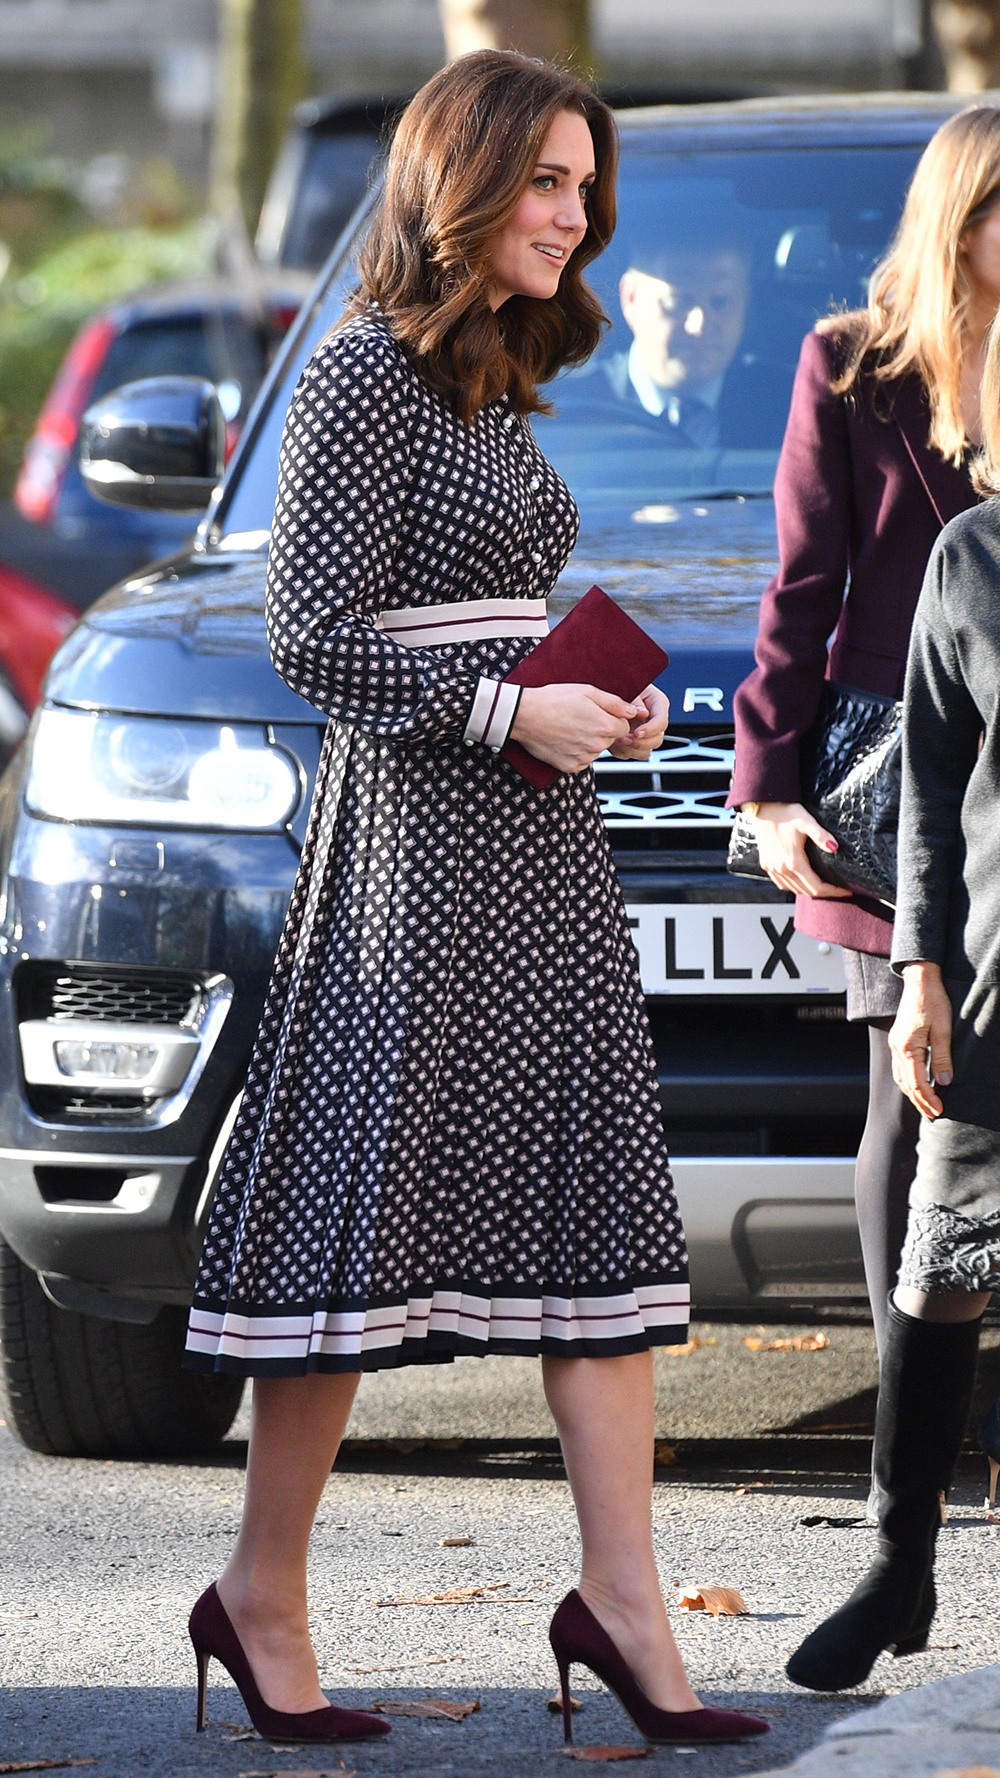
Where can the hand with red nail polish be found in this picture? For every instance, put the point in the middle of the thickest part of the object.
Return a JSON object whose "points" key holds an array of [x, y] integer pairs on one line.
{"points": [[782, 832]]}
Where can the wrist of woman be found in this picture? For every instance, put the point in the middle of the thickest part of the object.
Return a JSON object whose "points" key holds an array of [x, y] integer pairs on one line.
{"points": [[921, 969], [493, 714]]}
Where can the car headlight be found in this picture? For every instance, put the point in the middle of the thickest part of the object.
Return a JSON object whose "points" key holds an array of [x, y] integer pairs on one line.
{"points": [[144, 770]]}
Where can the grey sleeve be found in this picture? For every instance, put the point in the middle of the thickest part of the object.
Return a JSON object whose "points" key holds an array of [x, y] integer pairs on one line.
{"points": [[942, 727]]}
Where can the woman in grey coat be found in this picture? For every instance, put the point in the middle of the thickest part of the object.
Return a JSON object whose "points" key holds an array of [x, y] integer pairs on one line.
{"points": [[945, 1047]]}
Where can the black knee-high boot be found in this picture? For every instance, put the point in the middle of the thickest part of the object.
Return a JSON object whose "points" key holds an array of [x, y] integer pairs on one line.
{"points": [[925, 1390]]}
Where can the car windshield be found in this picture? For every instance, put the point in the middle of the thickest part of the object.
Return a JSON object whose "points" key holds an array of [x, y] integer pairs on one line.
{"points": [[721, 263]]}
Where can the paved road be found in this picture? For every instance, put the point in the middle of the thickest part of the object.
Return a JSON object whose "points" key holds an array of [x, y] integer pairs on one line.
{"points": [[100, 1562]]}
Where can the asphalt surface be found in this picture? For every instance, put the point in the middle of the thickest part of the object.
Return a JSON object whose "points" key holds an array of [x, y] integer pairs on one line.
{"points": [[100, 1562]]}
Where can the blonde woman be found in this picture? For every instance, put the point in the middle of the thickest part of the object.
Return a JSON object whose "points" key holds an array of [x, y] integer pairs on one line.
{"points": [[875, 461], [945, 1047]]}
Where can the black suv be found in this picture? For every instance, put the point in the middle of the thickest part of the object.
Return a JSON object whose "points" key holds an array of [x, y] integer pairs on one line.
{"points": [[150, 826]]}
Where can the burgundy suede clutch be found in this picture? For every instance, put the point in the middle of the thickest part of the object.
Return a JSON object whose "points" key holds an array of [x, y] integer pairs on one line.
{"points": [[597, 643]]}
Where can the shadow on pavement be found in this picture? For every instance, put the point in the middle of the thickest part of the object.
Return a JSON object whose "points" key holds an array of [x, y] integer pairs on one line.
{"points": [[149, 1731]]}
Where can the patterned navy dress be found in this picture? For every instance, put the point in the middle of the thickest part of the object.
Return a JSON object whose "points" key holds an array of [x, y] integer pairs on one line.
{"points": [[450, 1139]]}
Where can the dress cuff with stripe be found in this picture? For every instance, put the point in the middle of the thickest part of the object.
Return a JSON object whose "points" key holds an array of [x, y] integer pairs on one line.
{"points": [[494, 708]]}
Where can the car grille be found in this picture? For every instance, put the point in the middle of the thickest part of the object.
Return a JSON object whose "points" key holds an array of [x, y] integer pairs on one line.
{"points": [[681, 790], [122, 996]]}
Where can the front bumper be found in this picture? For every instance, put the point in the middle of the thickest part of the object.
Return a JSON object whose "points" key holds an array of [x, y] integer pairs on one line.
{"points": [[762, 1108], [105, 1188]]}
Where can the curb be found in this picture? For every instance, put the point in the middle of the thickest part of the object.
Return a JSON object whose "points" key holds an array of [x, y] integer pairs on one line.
{"points": [[934, 1730]]}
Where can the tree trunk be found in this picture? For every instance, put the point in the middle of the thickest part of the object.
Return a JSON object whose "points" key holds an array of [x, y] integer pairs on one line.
{"points": [[261, 74], [969, 34], [558, 30]]}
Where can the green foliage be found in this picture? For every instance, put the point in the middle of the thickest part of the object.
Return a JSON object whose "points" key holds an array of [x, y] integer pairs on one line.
{"points": [[58, 267]]}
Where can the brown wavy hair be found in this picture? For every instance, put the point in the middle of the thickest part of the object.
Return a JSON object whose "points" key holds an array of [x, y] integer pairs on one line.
{"points": [[918, 295], [461, 160]]}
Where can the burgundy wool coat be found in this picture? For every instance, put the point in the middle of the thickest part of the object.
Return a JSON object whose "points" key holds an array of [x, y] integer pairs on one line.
{"points": [[860, 498]]}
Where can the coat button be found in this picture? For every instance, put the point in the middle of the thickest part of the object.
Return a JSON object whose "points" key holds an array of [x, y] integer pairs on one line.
{"points": [[536, 555], [535, 483], [507, 422]]}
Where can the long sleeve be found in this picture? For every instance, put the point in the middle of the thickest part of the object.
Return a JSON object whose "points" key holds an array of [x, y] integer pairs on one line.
{"points": [[942, 728], [799, 610], [344, 479]]}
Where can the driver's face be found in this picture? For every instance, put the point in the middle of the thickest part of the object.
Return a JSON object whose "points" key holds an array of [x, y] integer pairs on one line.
{"points": [[688, 324]]}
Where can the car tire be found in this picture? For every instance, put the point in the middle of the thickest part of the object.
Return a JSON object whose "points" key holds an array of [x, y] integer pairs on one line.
{"points": [[75, 1386]]}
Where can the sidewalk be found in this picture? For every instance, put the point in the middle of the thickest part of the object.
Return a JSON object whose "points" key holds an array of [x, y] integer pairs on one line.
{"points": [[948, 1728]]}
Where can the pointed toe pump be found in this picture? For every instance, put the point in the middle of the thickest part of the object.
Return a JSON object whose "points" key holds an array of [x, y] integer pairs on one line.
{"points": [[989, 1444], [213, 1636], [577, 1637]]}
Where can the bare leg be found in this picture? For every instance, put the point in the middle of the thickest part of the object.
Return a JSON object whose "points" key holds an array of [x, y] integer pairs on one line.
{"points": [[296, 1428], [603, 1410]]}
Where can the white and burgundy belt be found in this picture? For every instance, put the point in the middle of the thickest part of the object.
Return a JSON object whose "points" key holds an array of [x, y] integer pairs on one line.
{"points": [[472, 620]]}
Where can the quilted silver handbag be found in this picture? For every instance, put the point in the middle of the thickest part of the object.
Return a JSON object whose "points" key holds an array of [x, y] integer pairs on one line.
{"points": [[851, 771]]}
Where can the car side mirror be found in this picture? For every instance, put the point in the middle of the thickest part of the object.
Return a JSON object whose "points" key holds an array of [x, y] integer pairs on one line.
{"points": [[159, 444]]}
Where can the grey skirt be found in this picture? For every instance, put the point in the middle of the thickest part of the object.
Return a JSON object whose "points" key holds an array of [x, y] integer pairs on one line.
{"points": [[873, 991], [953, 1233]]}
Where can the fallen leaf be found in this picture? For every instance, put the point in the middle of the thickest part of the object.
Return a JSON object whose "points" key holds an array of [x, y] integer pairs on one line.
{"points": [[456, 1596], [747, 1487], [692, 1345], [664, 1455], [606, 1752], [839, 1524], [817, 1342], [235, 1733], [555, 1702], [340, 1771], [449, 1708], [720, 1601], [842, 1426], [455, 1543], [41, 1765], [13, 1617], [398, 1666], [970, 1772]]}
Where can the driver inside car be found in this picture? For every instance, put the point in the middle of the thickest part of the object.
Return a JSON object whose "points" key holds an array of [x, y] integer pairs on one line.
{"points": [[685, 305]]}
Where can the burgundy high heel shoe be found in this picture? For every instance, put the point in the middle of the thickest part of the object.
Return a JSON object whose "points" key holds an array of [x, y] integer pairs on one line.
{"points": [[576, 1635], [212, 1634]]}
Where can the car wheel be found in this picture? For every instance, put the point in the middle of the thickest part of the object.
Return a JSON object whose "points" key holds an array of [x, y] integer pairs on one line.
{"points": [[75, 1386]]}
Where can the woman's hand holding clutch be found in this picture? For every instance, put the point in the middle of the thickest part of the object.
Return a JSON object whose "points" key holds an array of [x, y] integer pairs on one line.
{"points": [[922, 1027], [569, 725], [782, 831]]}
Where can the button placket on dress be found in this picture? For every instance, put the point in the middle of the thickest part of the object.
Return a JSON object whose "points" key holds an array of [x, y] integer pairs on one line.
{"points": [[517, 436]]}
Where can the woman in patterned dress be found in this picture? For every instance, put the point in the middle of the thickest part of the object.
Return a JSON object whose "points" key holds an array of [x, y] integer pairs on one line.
{"points": [[450, 1140]]}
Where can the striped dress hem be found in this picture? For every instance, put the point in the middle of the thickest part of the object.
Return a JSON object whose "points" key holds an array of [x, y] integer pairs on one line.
{"points": [[445, 1323]]}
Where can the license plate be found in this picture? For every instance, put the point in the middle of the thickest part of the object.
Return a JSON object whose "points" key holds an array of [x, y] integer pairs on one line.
{"points": [[742, 948]]}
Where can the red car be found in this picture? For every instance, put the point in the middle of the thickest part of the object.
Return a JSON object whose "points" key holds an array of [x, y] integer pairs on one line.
{"points": [[59, 547]]}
